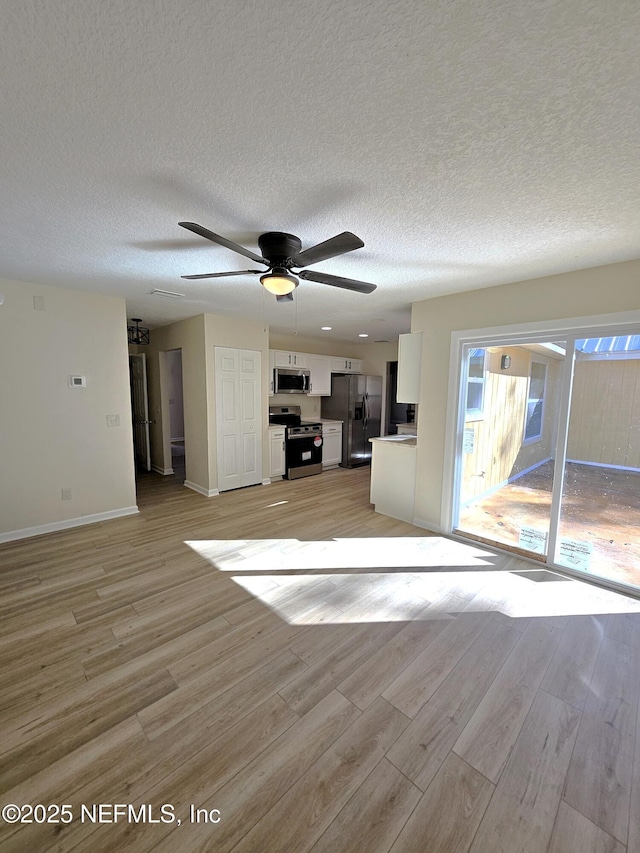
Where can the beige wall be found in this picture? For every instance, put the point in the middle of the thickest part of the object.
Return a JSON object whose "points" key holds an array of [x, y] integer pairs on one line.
{"points": [[605, 413], [597, 291], [320, 346], [188, 336], [499, 453], [197, 337], [53, 436]]}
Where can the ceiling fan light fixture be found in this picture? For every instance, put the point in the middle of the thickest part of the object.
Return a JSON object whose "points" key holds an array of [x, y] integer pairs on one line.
{"points": [[279, 282]]}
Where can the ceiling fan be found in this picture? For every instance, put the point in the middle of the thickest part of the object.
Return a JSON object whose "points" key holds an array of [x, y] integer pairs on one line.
{"points": [[281, 253]]}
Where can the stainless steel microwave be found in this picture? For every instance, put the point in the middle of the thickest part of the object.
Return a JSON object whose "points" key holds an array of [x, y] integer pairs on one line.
{"points": [[290, 381]]}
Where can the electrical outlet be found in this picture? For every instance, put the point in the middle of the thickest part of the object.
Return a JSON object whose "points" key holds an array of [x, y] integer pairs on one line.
{"points": [[113, 420], [66, 494]]}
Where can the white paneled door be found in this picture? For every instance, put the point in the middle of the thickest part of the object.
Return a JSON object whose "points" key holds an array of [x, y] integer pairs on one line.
{"points": [[238, 417]]}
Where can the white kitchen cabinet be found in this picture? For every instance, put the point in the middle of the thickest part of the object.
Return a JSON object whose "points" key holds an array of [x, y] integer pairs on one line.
{"points": [[320, 367], [409, 367], [290, 359], [331, 444], [346, 365], [393, 476], [276, 447]]}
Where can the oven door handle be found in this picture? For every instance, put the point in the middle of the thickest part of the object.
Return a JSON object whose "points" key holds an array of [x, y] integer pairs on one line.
{"points": [[304, 435]]}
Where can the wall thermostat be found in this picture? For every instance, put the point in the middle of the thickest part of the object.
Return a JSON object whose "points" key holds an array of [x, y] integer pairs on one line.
{"points": [[77, 382]]}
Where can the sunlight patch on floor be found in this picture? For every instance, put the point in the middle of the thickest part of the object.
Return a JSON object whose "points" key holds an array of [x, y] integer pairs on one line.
{"points": [[275, 555], [396, 579]]}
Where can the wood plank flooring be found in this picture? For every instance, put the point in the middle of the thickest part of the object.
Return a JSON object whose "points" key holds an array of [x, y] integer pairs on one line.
{"points": [[283, 670]]}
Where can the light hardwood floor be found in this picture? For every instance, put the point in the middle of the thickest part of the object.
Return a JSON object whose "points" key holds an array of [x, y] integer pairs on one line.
{"points": [[319, 677]]}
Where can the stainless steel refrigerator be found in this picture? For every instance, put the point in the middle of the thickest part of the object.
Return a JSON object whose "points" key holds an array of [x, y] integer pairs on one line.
{"points": [[356, 400]]}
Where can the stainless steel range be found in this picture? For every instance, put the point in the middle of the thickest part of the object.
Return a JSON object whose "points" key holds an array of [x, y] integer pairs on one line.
{"points": [[303, 442]]}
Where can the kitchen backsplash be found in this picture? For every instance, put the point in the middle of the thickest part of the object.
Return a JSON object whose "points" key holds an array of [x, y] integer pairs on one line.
{"points": [[309, 406]]}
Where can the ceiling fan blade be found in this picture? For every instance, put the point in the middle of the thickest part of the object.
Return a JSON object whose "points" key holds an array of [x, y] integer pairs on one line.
{"points": [[345, 242], [338, 281], [285, 297], [216, 238], [222, 274]]}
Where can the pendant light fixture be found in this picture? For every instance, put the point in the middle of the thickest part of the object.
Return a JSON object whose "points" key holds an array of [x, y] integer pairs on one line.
{"points": [[137, 335]]}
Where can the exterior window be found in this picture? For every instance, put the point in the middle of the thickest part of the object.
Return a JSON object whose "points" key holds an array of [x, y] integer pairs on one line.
{"points": [[475, 385], [535, 402]]}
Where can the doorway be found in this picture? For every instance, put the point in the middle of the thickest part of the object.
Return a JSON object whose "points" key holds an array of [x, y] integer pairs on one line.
{"points": [[174, 395], [397, 413], [140, 411], [548, 450]]}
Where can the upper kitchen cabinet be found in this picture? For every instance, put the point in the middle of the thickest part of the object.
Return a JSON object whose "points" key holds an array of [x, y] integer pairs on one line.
{"points": [[346, 365], [409, 365], [290, 359], [320, 367]]}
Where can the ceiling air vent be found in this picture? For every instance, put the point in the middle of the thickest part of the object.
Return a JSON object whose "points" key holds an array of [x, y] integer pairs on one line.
{"points": [[167, 293]]}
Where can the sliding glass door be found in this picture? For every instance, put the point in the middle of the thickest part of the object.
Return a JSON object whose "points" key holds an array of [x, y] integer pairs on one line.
{"points": [[548, 451], [599, 525], [509, 430]]}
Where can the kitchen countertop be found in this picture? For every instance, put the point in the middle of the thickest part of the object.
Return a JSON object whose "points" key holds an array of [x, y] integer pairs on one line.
{"points": [[406, 440], [321, 421]]}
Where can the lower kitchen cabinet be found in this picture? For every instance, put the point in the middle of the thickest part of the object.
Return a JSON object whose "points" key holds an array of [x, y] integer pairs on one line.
{"points": [[331, 444], [276, 447], [393, 476]]}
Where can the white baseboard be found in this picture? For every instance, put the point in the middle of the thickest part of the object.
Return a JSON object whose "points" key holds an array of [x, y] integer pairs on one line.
{"points": [[55, 526], [507, 482], [163, 471], [433, 528], [207, 493]]}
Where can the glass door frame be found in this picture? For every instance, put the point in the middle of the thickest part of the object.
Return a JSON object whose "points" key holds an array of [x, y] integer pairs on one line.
{"points": [[565, 331]]}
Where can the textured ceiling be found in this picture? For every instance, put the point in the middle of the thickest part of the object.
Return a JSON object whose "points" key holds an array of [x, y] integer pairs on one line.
{"points": [[467, 144]]}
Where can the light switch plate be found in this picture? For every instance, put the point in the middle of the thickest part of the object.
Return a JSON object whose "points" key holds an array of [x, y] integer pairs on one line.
{"points": [[113, 420]]}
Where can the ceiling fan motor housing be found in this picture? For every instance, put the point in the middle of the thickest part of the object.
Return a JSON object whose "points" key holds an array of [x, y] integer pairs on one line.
{"points": [[279, 248]]}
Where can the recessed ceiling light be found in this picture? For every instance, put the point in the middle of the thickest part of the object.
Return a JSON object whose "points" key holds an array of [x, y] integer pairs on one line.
{"points": [[363, 336], [325, 328]]}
